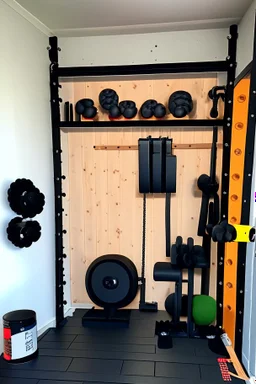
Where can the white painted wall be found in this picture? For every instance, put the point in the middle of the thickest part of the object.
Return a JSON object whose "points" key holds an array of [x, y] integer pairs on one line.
{"points": [[182, 46], [245, 40], [27, 277]]}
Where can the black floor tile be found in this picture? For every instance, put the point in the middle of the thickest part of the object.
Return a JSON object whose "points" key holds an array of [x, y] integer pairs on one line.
{"points": [[42, 363], [152, 316], [213, 375], [93, 337], [204, 351], [112, 367], [58, 336], [59, 382], [79, 355], [183, 371], [179, 349], [74, 322], [92, 378], [114, 347], [138, 328], [139, 368], [79, 313], [173, 357], [54, 344], [11, 380]]}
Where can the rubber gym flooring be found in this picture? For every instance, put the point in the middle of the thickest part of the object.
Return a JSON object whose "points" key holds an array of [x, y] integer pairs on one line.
{"points": [[79, 355]]}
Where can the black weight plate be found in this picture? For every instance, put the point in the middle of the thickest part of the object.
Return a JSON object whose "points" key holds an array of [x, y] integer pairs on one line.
{"points": [[110, 269], [122, 270]]}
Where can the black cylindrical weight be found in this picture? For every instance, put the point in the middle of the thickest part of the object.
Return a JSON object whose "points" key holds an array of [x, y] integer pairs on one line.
{"points": [[20, 336], [166, 272]]}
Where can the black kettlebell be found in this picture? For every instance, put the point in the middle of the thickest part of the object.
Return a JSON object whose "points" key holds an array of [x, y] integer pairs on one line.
{"points": [[180, 104], [82, 104], [147, 108], [128, 109], [114, 112], [90, 112], [85, 107], [159, 111], [108, 98]]}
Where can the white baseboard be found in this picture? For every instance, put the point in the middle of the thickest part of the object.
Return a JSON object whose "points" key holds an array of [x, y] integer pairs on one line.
{"points": [[50, 324], [245, 362], [68, 313]]}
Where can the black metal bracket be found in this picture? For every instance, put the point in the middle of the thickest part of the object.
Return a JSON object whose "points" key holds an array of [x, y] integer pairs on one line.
{"points": [[144, 69], [227, 133], [55, 115], [143, 123]]}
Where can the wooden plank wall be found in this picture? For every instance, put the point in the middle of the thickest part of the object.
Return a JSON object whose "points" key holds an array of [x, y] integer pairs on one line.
{"points": [[104, 205]]}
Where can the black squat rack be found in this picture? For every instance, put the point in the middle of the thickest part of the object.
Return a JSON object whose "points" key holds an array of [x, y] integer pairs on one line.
{"points": [[57, 73]]}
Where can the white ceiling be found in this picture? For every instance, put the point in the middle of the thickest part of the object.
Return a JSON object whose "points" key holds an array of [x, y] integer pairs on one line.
{"points": [[95, 17]]}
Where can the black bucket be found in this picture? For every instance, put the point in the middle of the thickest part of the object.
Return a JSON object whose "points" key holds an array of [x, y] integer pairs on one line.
{"points": [[20, 336]]}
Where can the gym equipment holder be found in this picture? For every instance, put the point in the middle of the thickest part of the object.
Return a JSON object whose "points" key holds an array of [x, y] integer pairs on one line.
{"points": [[57, 72], [111, 282]]}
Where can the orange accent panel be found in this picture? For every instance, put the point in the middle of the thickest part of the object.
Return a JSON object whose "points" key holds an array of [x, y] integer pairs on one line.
{"points": [[239, 131]]}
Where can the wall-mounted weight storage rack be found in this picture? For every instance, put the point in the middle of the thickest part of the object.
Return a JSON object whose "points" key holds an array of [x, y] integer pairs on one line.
{"points": [[62, 74]]}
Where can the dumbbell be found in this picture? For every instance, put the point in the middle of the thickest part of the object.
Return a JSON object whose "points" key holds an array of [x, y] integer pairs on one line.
{"points": [[186, 255]]}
